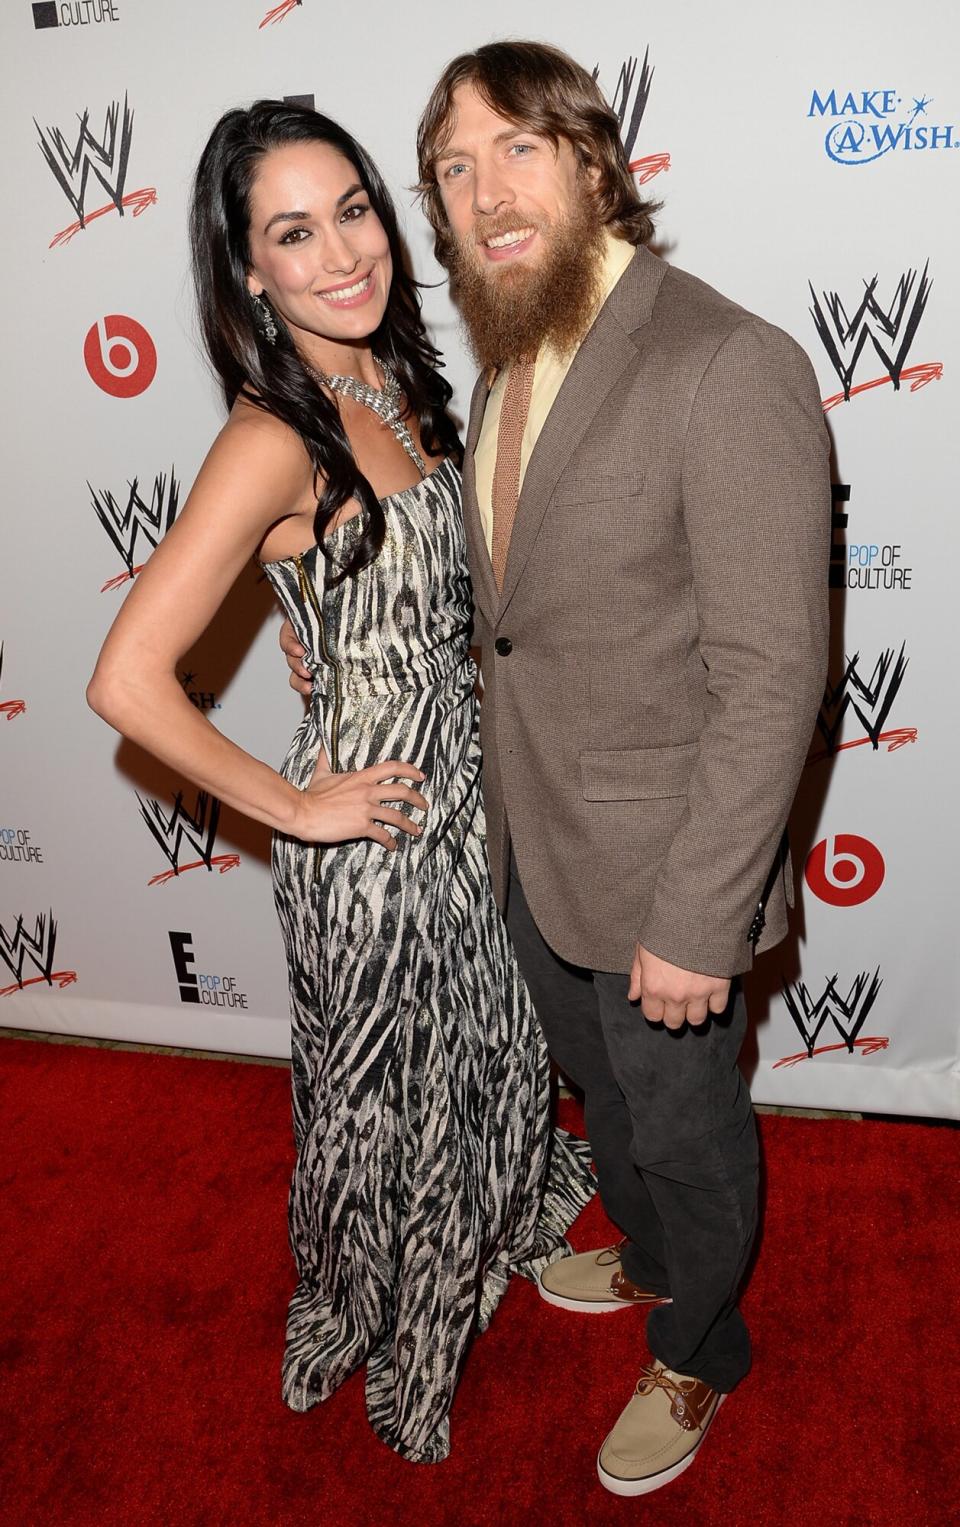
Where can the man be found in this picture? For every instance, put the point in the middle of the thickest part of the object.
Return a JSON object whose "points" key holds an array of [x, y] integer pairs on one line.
{"points": [[646, 499]]}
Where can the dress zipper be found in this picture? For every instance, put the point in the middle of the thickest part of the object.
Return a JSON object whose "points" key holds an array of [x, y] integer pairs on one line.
{"points": [[308, 594]]}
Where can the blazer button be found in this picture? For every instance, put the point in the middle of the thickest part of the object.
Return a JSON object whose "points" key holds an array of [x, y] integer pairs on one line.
{"points": [[503, 646]]}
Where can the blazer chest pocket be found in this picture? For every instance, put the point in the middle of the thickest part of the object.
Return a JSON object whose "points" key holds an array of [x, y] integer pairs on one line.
{"points": [[638, 774], [598, 487]]}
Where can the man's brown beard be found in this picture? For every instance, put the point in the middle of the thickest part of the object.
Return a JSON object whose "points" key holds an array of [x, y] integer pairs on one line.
{"points": [[510, 311]]}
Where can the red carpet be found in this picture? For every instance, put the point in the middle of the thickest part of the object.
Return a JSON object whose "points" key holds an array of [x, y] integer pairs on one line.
{"points": [[145, 1274]]}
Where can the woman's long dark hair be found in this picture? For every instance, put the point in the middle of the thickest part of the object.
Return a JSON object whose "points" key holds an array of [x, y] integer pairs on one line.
{"points": [[273, 376]]}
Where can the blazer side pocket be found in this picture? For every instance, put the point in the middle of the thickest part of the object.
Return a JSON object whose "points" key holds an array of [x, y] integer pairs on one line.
{"points": [[637, 774]]}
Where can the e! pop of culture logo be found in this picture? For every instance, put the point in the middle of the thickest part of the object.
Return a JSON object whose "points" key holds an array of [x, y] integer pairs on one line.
{"points": [[199, 987], [17, 846], [73, 13], [870, 566]]}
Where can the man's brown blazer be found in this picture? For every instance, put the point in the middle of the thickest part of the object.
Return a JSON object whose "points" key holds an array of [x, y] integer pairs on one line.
{"points": [[653, 666]]}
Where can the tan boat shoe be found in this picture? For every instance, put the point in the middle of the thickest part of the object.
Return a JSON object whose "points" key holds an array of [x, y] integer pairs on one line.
{"points": [[659, 1432], [592, 1283]]}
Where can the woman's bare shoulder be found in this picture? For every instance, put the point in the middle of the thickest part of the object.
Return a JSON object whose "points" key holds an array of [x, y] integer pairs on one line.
{"points": [[258, 461], [257, 441], [250, 422]]}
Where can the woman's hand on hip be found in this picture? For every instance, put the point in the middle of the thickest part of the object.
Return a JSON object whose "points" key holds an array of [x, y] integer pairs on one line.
{"points": [[337, 808]]}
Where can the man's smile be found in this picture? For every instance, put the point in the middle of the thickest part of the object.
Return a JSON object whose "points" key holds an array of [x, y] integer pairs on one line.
{"points": [[505, 246]]}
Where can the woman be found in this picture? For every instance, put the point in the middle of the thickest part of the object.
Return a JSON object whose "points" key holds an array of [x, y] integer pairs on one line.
{"points": [[419, 1075]]}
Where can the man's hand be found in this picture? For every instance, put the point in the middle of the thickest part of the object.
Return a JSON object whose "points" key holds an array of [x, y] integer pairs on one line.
{"points": [[300, 679], [668, 994]]}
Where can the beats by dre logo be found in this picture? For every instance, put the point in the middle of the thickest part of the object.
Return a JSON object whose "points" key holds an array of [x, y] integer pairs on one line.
{"points": [[845, 870], [120, 356]]}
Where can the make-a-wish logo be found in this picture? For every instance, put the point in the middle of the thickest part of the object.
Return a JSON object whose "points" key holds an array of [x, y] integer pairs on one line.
{"points": [[23, 952], [870, 701], [10, 709], [870, 565], [136, 520], [891, 331], [203, 699], [198, 987], [629, 101], [865, 125], [181, 831], [847, 1014], [278, 13], [106, 159]]}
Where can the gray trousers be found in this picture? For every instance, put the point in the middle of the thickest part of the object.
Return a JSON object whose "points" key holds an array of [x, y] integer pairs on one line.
{"points": [[670, 1122]]}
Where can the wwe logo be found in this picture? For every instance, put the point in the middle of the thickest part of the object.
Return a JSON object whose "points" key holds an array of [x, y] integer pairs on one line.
{"points": [[138, 519], [871, 702], [10, 708], [847, 1014], [629, 104], [197, 828], [105, 158], [38, 948], [891, 331], [278, 13]]}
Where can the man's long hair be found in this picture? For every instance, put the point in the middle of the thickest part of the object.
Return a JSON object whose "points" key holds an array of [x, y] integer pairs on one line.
{"points": [[544, 90], [273, 377]]}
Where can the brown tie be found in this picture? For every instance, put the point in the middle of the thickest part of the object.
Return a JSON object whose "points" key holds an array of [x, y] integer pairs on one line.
{"points": [[506, 472]]}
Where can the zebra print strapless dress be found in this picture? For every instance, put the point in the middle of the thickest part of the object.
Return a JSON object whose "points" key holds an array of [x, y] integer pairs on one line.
{"points": [[426, 1169]]}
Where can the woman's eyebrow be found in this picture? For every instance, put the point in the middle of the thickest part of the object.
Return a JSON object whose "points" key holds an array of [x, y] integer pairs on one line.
{"points": [[297, 217], [285, 217]]}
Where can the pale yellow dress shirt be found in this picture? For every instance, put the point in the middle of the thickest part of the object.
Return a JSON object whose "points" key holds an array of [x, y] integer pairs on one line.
{"points": [[547, 380]]}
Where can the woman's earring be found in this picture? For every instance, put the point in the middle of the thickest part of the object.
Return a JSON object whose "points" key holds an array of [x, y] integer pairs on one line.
{"points": [[264, 318]]}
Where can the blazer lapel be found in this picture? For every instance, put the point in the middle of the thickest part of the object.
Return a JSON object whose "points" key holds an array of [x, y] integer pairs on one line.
{"points": [[601, 360], [481, 569]]}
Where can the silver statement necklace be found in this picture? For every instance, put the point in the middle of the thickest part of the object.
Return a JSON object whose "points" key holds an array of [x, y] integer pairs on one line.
{"points": [[383, 401]]}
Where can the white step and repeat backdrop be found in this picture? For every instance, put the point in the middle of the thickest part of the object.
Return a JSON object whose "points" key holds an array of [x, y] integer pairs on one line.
{"points": [[808, 168]]}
